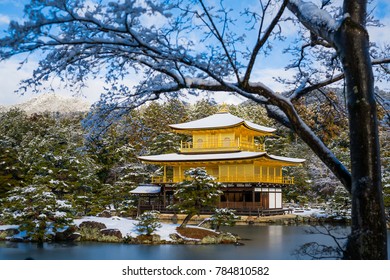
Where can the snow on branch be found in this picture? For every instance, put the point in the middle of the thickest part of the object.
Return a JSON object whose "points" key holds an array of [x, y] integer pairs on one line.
{"points": [[315, 19], [303, 89]]}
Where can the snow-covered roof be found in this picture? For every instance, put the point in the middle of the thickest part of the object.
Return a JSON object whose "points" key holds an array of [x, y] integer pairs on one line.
{"points": [[201, 157], [286, 159], [146, 189], [221, 120], [216, 157]]}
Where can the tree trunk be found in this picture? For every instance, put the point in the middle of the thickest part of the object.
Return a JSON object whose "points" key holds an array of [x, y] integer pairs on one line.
{"points": [[186, 220], [368, 239]]}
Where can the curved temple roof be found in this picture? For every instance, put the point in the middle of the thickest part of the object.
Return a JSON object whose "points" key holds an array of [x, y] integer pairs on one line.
{"points": [[166, 158], [146, 189], [220, 120]]}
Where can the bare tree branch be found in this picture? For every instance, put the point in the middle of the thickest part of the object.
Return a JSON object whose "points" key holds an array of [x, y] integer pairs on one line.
{"points": [[261, 40], [301, 92]]}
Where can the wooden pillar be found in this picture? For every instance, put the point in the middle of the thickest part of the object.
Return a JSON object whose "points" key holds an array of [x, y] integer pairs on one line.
{"points": [[243, 198], [227, 199], [164, 197], [139, 206]]}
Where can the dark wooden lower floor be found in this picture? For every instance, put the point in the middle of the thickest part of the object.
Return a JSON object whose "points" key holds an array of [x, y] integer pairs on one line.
{"points": [[253, 200], [239, 211]]}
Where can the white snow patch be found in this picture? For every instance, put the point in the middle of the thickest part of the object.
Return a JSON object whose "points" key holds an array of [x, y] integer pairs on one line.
{"points": [[5, 227], [315, 15], [318, 213], [184, 157], [296, 160], [128, 226], [309, 212], [221, 156]]}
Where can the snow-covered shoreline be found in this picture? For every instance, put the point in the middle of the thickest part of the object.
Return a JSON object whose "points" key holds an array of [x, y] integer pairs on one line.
{"points": [[166, 234], [127, 226]]}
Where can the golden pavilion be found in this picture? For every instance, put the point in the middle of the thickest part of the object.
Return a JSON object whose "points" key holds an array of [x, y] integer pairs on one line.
{"points": [[232, 150]]}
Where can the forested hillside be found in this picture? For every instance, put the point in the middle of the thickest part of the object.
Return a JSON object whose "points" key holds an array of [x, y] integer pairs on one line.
{"points": [[48, 152]]}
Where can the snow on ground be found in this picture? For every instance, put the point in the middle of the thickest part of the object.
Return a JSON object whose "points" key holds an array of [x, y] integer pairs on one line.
{"points": [[308, 212], [5, 227], [318, 213], [128, 226], [20, 235]]}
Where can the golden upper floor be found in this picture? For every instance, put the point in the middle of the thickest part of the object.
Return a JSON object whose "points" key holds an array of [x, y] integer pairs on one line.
{"points": [[220, 142], [222, 132]]}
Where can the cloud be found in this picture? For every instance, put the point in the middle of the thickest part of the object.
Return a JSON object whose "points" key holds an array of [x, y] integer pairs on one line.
{"points": [[267, 77], [10, 78], [380, 35], [19, 3], [4, 19]]}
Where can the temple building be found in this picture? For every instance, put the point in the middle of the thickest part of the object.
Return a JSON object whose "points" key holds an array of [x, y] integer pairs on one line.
{"points": [[232, 150]]}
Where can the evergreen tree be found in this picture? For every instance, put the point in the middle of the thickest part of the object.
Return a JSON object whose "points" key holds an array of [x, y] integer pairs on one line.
{"points": [[223, 217], [385, 156], [148, 222], [11, 172], [121, 172], [202, 109], [165, 142], [13, 128], [198, 191], [56, 158], [37, 211], [340, 202]]}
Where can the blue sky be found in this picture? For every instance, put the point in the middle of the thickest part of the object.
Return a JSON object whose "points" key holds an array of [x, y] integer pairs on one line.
{"points": [[10, 77]]}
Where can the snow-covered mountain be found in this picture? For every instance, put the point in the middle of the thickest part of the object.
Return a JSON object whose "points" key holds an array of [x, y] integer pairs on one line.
{"points": [[51, 102], [3, 108]]}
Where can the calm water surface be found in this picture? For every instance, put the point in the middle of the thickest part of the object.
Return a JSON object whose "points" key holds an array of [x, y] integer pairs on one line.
{"points": [[270, 242]]}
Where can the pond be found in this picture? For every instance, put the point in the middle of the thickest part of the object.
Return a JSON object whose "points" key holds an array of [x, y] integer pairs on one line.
{"points": [[271, 242]]}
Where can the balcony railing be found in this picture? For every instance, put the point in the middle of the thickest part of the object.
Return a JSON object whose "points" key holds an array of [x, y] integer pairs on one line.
{"points": [[230, 179], [224, 145]]}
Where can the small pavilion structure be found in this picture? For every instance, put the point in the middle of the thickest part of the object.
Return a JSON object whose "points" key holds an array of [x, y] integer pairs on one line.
{"points": [[149, 197]]}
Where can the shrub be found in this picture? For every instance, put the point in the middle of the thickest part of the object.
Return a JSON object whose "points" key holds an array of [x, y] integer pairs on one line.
{"points": [[223, 217], [148, 222]]}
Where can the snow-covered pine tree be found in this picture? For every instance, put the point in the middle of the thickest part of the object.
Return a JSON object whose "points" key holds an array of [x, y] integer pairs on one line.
{"points": [[164, 143], [13, 128], [148, 222], [202, 108], [11, 172], [54, 157], [223, 217], [198, 191], [120, 172], [37, 211]]}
